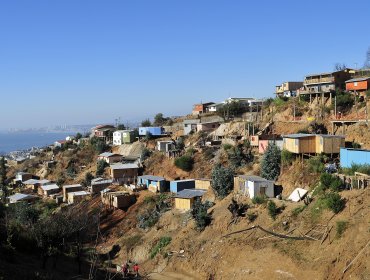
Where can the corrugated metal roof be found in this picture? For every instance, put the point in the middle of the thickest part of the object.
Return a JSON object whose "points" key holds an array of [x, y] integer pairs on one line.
{"points": [[358, 79], [302, 135], [151, 177], [31, 182], [190, 193], [79, 193], [104, 181], [253, 178], [71, 186], [108, 154], [50, 187], [124, 166], [20, 196]]}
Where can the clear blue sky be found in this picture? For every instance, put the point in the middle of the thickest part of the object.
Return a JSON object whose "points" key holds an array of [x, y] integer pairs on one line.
{"points": [[86, 61]]}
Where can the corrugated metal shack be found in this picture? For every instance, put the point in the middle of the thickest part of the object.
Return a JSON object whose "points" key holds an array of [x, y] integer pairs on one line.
{"points": [[176, 186]]}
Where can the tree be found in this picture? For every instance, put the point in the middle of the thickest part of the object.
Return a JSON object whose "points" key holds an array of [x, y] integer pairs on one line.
{"points": [[367, 60], [200, 214], [3, 179], [240, 155], [88, 178], [222, 180], [339, 66], [272, 209], [231, 109], [180, 143], [101, 167], [121, 126], [146, 123], [270, 165], [78, 136], [185, 163], [159, 120]]}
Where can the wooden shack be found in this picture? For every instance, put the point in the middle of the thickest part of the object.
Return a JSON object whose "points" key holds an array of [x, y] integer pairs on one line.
{"points": [[118, 199], [313, 143], [185, 199], [203, 184]]}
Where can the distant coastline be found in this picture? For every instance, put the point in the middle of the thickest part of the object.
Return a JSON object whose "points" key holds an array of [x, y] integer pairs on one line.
{"points": [[20, 141]]}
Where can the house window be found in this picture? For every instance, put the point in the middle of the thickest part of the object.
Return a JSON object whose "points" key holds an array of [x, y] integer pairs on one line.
{"points": [[355, 84], [296, 142]]}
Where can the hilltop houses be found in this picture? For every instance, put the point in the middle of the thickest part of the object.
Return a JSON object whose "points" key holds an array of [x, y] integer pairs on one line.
{"points": [[70, 188], [201, 108], [184, 200], [349, 156], [152, 183], [288, 89], [323, 85], [47, 190], [104, 132], [123, 137]]}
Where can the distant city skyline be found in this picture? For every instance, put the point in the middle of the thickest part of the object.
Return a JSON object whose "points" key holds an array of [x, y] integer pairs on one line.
{"points": [[94, 61]]}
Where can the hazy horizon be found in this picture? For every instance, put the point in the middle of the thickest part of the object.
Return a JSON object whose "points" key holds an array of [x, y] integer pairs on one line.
{"points": [[71, 62]]}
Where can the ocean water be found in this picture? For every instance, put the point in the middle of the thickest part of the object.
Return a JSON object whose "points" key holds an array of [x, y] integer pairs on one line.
{"points": [[25, 140]]}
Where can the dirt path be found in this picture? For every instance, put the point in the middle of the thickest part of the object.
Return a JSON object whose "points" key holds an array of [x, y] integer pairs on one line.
{"points": [[171, 276]]}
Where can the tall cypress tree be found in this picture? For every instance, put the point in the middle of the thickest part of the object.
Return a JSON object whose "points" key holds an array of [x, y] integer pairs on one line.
{"points": [[3, 178], [270, 165]]}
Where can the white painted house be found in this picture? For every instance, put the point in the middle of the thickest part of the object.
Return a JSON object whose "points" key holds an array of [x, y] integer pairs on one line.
{"points": [[165, 146], [252, 186]]}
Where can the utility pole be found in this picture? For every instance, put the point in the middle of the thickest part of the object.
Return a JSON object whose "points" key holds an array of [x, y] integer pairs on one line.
{"points": [[335, 107], [293, 109]]}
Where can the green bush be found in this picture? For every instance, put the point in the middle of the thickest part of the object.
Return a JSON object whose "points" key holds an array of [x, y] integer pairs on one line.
{"points": [[259, 199], [200, 214], [296, 211], [163, 242], [272, 209], [222, 181], [145, 153], [287, 157], [100, 168], [252, 216], [270, 165], [315, 164], [329, 181], [334, 202], [227, 147], [148, 219], [341, 227], [185, 163]]}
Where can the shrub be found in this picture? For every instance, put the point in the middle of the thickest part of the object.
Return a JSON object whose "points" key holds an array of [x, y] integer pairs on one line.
{"points": [[208, 153], [341, 227], [325, 180], [222, 180], [334, 202], [259, 199], [336, 184], [185, 163], [148, 219], [270, 165], [163, 242], [286, 157], [252, 216], [362, 168], [200, 214], [315, 164], [240, 155], [296, 211], [100, 168], [227, 147], [272, 209], [145, 153]]}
